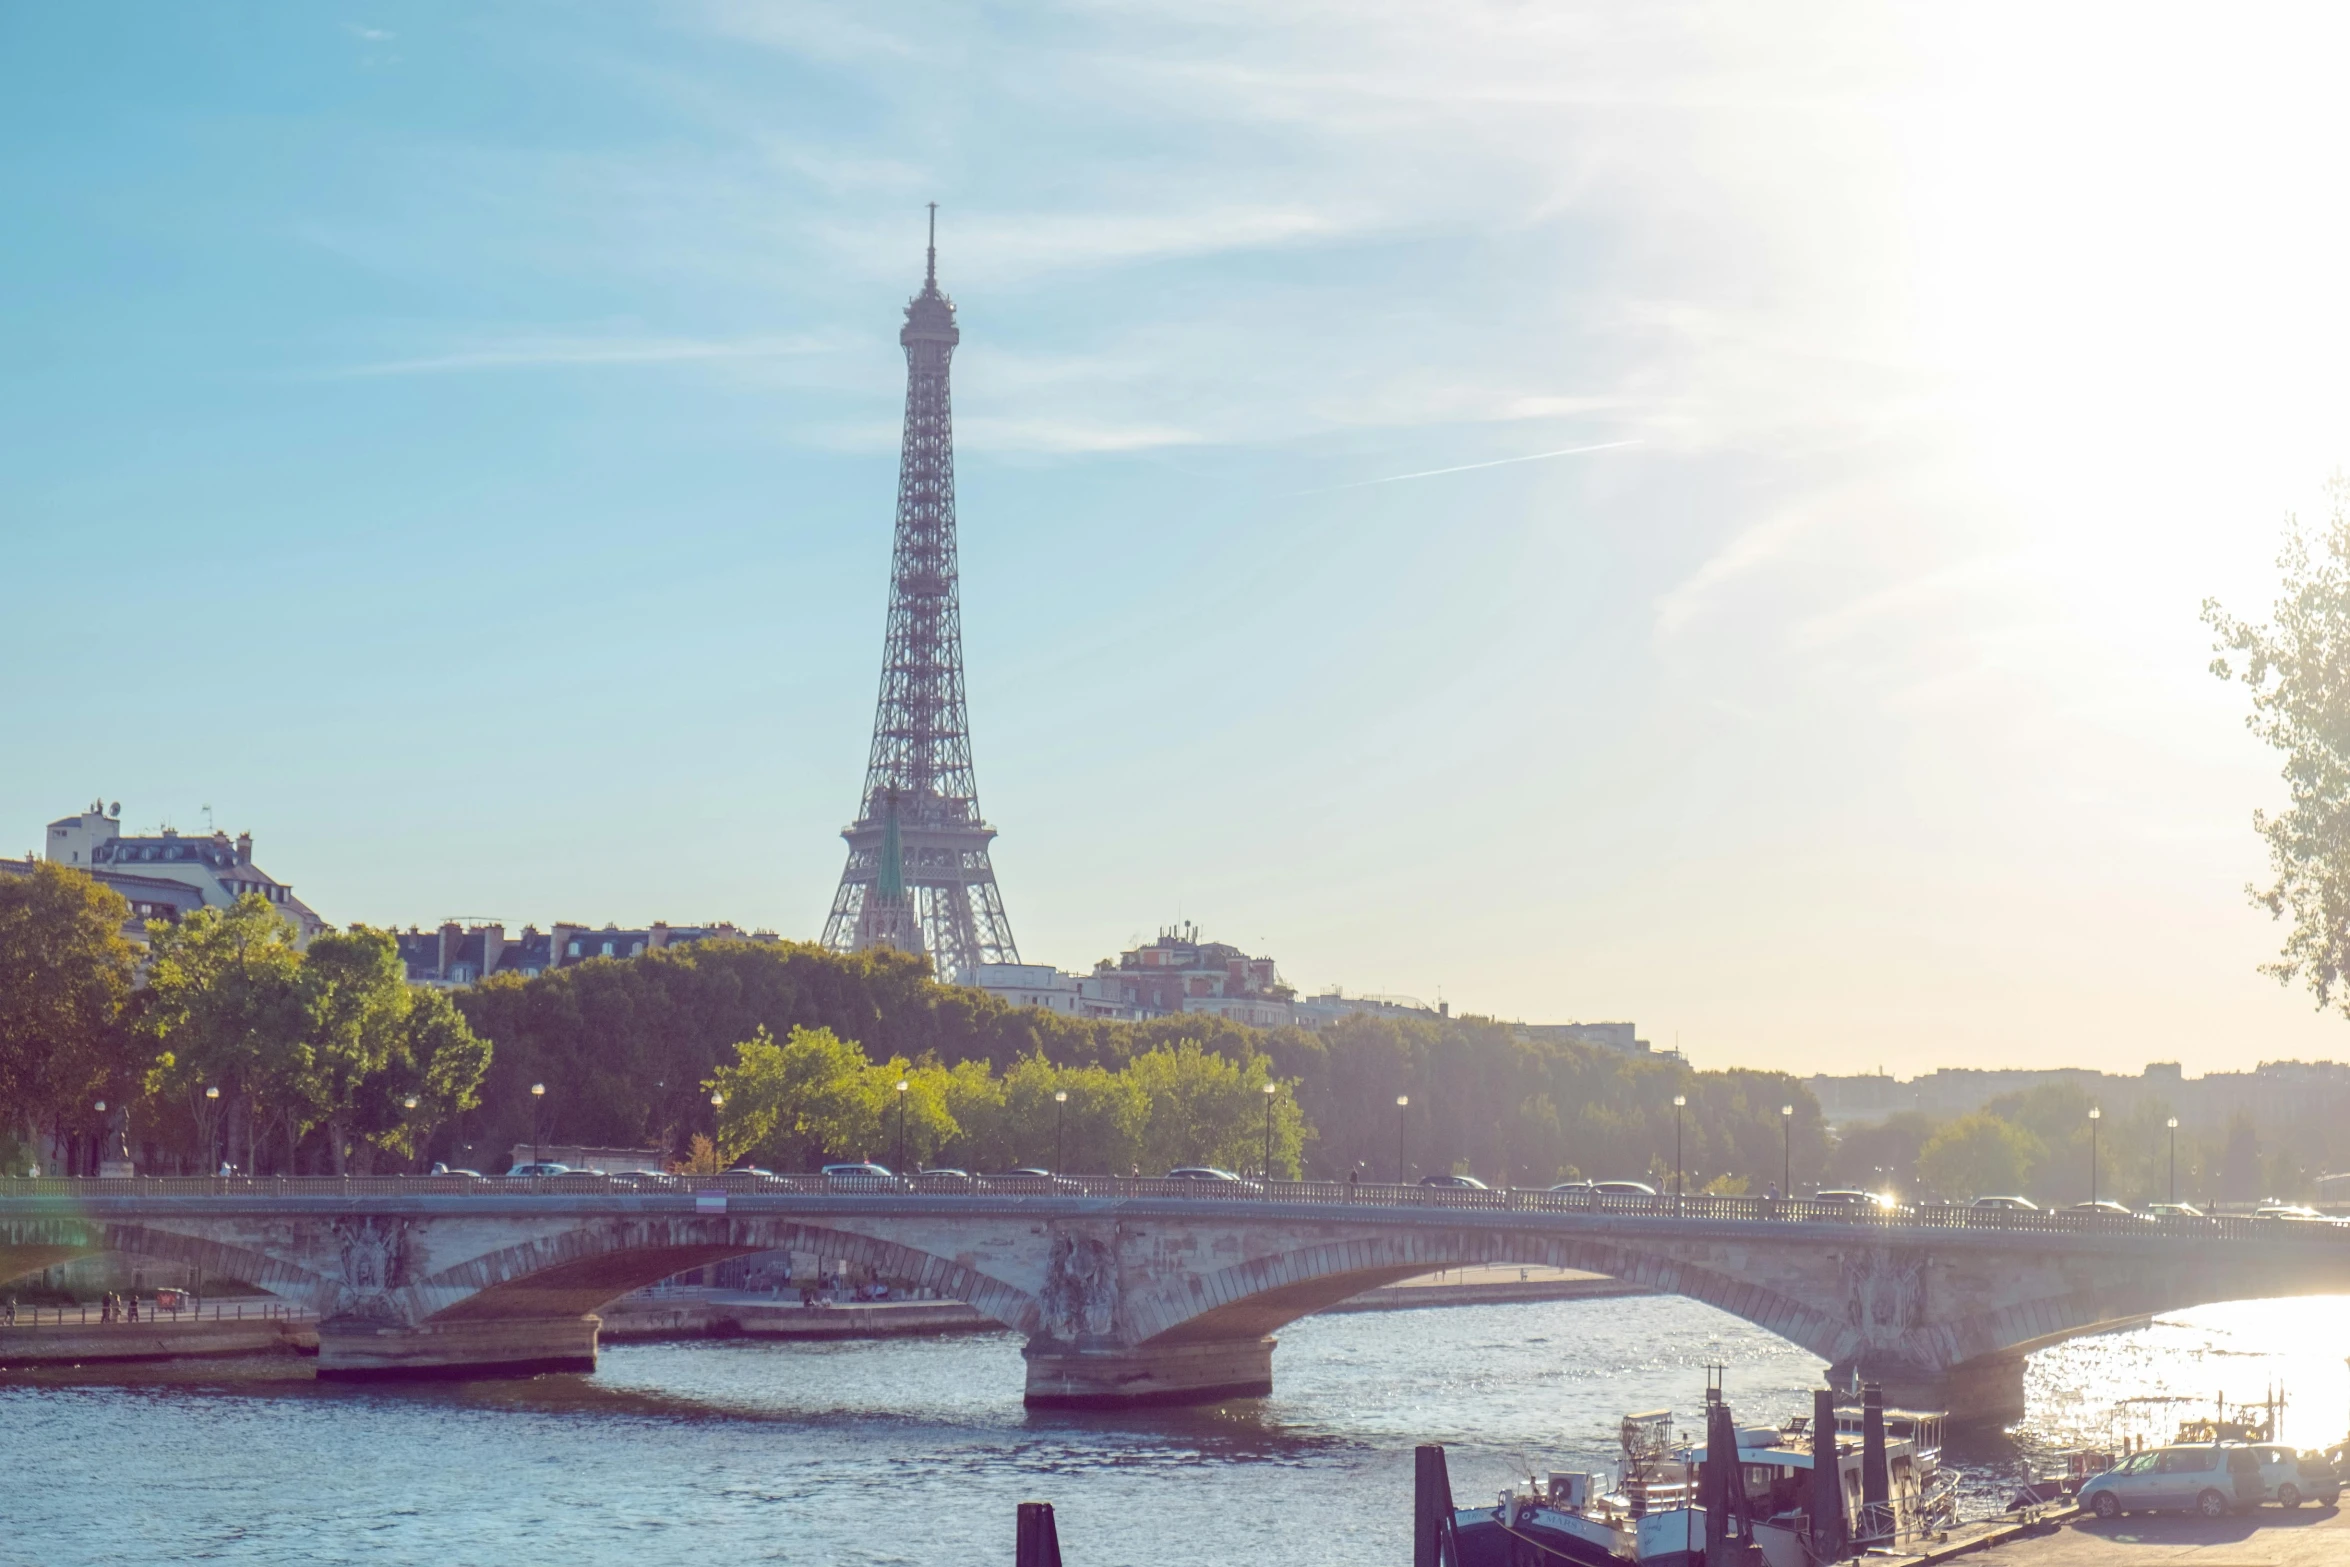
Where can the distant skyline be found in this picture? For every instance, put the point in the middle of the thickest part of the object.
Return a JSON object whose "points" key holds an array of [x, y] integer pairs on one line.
{"points": [[1690, 513]]}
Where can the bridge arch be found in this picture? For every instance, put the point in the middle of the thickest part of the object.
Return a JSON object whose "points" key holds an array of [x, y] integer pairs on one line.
{"points": [[573, 1271], [1262, 1294], [28, 1246]]}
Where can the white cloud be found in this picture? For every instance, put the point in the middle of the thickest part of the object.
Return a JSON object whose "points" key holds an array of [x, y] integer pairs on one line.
{"points": [[545, 353]]}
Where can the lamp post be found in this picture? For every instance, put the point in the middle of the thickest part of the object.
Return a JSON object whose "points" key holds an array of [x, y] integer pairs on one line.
{"points": [[1787, 1151], [408, 1104], [101, 1108], [2095, 1115], [1060, 1125], [2174, 1158], [211, 1116], [1401, 1102], [538, 1096], [1679, 1100], [903, 1085], [1272, 1092], [717, 1103]]}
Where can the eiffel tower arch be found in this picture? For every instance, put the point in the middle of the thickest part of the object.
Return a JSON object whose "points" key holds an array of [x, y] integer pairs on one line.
{"points": [[918, 875]]}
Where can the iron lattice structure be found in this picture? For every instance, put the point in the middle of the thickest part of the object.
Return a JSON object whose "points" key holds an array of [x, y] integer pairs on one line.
{"points": [[918, 875]]}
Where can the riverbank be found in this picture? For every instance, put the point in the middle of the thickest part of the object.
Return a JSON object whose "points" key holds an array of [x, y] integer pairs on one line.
{"points": [[731, 1314], [1489, 1286], [2264, 1537], [75, 1342]]}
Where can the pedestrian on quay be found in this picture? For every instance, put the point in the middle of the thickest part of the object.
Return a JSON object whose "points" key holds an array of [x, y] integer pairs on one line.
{"points": [[134, 1307], [8, 1312]]}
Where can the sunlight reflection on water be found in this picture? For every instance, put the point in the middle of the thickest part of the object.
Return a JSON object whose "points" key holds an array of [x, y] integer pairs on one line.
{"points": [[915, 1451]]}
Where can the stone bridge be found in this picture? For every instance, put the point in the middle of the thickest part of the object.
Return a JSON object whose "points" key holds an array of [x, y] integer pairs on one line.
{"points": [[1153, 1291]]}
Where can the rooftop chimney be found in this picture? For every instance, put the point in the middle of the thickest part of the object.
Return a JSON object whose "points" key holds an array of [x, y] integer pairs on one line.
{"points": [[244, 848]]}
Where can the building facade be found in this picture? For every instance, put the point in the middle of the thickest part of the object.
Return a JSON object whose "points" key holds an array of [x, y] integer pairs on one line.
{"points": [[166, 875], [456, 954]]}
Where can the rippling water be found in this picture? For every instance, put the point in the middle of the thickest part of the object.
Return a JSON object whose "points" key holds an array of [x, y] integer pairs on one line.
{"points": [[915, 1451]]}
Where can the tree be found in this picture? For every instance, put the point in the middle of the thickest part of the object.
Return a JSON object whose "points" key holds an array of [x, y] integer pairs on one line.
{"points": [[224, 1008], [438, 1061], [355, 1004], [811, 1095], [1977, 1155], [1203, 1109], [65, 970], [1880, 1154], [2297, 669]]}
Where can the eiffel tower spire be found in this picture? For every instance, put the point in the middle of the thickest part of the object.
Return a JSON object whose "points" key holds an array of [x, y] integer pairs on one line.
{"points": [[918, 874]]}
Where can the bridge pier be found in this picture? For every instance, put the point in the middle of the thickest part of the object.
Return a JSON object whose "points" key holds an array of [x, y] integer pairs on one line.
{"points": [[359, 1351], [1120, 1376], [1988, 1391]]}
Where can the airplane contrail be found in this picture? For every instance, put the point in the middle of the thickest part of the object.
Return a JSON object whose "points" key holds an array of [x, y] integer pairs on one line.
{"points": [[1498, 462]]}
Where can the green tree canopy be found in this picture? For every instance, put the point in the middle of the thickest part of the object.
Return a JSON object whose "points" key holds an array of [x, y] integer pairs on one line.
{"points": [[2297, 669], [65, 970], [224, 1008], [1978, 1155]]}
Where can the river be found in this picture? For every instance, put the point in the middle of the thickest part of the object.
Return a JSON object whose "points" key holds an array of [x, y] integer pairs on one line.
{"points": [[914, 1451]]}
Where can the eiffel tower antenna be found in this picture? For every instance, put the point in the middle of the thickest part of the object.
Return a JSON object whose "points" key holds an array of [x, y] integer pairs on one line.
{"points": [[918, 875]]}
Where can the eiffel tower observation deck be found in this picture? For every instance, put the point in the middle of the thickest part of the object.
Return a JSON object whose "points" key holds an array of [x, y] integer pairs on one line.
{"points": [[918, 875]]}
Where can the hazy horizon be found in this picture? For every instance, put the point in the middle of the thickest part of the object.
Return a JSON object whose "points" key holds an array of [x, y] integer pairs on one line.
{"points": [[1695, 515]]}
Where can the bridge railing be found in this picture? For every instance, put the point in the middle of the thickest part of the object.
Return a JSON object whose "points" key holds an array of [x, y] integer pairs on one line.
{"points": [[1694, 1207]]}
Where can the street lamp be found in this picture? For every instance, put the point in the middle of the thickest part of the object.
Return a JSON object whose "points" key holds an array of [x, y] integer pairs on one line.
{"points": [[1272, 1091], [1060, 1125], [211, 1115], [1401, 1100], [2095, 1115], [1679, 1100], [101, 1108], [1787, 1151], [538, 1095], [903, 1085], [2174, 1158], [717, 1103]]}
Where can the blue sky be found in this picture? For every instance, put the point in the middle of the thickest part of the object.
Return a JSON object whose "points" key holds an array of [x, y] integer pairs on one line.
{"points": [[457, 443]]}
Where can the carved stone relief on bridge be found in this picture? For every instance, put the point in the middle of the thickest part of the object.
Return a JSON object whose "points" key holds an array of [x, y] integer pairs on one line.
{"points": [[1080, 1296], [1884, 1291], [374, 1256]]}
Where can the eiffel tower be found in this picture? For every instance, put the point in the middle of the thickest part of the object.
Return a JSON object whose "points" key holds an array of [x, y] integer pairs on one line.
{"points": [[918, 875]]}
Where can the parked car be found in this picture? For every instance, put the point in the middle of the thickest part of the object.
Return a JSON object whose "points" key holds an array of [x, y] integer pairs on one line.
{"points": [[542, 1167], [2006, 1204], [1845, 1197], [2207, 1477], [2288, 1478], [2290, 1213], [1458, 1182], [944, 1179], [1029, 1180], [642, 1180], [1623, 1188], [2174, 1210], [2103, 1210], [751, 1171], [1575, 1189], [1209, 1172], [861, 1177]]}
